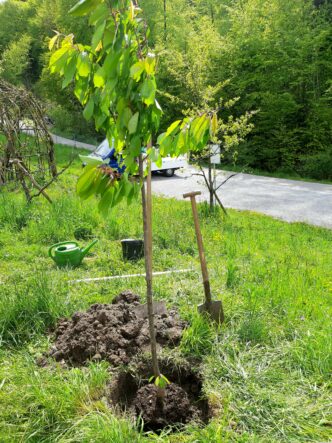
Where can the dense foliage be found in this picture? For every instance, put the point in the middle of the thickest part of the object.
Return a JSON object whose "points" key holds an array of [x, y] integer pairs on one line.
{"points": [[276, 56]]}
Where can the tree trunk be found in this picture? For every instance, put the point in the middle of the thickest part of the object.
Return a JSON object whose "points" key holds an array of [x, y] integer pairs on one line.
{"points": [[211, 186], [147, 228], [165, 21]]}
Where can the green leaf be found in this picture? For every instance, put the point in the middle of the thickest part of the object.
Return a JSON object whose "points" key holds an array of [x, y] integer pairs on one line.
{"points": [[135, 145], [150, 64], [158, 105], [159, 161], [161, 138], [88, 110], [111, 62], [108, 37], [100, 120], [53, 41], [97, 36], [103, 185], [69, 71], [118, 193], [200, 132], [126, 184], [125, 116], [99, 78], [57, 55], [154, 154], [165, 146], [106, 201], [214, 124], [59, 58], [136, 70], [148, 91], [181, 142], [133, 122], [81, 88], [155, 116], [85, 181], [161, 381], [83, 65], [172, 127], [133, 194], [121, 105], [83, 7], [101, 12]]}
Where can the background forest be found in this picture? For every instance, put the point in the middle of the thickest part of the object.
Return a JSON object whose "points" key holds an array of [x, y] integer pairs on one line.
{"points": [[274, 56]]}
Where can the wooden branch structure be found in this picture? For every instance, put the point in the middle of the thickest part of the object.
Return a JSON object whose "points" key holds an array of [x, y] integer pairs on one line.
{"points": [[26, 147], [19, 165]]}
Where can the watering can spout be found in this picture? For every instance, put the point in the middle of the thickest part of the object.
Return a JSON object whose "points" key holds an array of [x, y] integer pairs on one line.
{"points": [[85, 250]]}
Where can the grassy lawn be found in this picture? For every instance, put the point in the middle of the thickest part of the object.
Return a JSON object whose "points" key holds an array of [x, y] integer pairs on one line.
{"points": [[267, 369]]}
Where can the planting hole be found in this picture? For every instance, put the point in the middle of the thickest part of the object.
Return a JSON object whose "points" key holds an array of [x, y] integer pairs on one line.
{"points": [[183, 402]]}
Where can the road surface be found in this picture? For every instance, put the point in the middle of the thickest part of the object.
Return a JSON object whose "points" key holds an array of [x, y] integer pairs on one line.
{"points": [[287, 200], [67, 142]]}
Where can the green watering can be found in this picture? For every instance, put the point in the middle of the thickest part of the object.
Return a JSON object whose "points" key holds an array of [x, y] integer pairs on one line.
{"points": [[68, 253]]}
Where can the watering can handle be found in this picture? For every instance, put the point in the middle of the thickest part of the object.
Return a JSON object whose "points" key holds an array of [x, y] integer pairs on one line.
{"points": [[58, 244]]}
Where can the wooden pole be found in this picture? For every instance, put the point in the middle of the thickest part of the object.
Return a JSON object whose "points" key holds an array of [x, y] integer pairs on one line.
{"points": [[147, 227]]}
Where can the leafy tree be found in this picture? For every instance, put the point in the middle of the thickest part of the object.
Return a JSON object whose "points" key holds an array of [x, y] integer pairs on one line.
{"points": [[15, 60], [276, 54], [275, 61], [114, 79], [14, 17]]}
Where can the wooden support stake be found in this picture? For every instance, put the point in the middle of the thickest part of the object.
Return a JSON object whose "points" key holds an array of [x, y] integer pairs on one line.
{"points": [[205, 274], [147, 226]]}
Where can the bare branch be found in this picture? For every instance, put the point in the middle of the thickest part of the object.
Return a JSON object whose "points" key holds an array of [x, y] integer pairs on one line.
{"points": [[53, 179], [225, 181]]}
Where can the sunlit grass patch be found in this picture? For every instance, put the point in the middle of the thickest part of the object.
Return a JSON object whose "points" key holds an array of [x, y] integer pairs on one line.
{"points": [[266, 370]]}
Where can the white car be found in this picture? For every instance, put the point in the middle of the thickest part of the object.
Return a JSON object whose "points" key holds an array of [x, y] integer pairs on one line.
{"points": [[168, 167]]}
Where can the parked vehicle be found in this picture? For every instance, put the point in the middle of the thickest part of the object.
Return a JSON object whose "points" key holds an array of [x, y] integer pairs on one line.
{"points": [[106, 154]]}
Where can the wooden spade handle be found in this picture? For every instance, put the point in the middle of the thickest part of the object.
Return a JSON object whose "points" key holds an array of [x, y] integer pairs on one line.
{"points": [[192, 194], [205, 274]]}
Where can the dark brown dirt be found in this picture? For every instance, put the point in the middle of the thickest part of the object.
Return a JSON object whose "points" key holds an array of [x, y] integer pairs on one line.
{"points": [[183, 402], [111, 332], [175, 408]]}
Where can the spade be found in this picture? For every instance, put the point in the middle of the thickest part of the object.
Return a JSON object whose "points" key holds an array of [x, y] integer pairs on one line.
{"points": [[212, 307]]}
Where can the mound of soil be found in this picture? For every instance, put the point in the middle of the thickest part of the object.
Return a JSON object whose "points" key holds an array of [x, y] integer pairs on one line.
{"points": [[112, 332], [184, 401]]}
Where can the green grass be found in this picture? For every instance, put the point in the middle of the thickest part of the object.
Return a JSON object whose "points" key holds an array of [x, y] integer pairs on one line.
{"points": [[267, 369]]}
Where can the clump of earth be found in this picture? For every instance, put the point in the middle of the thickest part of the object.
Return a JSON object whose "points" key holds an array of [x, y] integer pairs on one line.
{"points": [[175, 407], [112, 332]]}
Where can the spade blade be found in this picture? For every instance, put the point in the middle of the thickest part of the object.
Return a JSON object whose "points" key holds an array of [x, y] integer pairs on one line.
{"points": [[214, 309], [141, 311]]}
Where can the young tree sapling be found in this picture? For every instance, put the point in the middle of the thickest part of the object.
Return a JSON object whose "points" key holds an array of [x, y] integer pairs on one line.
{"points": [[114, 79]]}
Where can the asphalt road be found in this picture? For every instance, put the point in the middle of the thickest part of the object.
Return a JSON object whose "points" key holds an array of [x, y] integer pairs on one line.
{"points": [[290, 200], [73, 143]]}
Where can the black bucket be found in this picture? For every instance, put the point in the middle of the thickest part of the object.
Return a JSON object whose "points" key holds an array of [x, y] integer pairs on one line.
{"points": [[132, 249]]}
